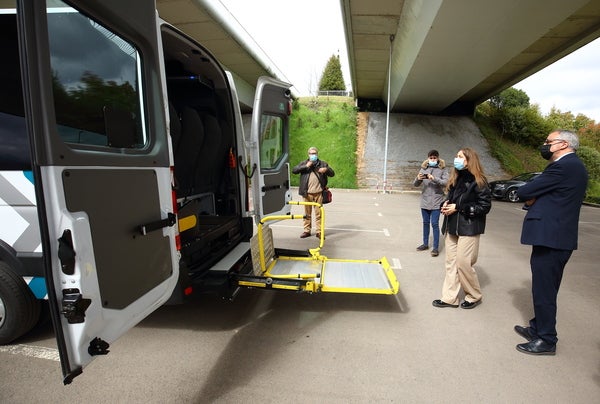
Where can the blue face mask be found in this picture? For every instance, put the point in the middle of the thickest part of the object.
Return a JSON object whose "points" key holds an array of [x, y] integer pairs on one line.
{"points": [[459, 163], [433, 163], [313, 157]]}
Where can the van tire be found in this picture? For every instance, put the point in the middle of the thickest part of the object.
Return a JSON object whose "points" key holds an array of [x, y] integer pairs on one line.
{"points": [[19, 309]]}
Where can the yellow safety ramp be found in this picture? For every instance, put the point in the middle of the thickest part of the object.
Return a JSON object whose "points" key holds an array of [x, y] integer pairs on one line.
{"points": [[313, 272]]}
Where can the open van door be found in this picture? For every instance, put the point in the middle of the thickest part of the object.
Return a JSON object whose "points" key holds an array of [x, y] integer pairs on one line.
{"points": [[270, 138], [96, 118]]}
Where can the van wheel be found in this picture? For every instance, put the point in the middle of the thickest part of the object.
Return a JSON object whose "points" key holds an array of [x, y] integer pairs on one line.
{"points": [[19, 309]]}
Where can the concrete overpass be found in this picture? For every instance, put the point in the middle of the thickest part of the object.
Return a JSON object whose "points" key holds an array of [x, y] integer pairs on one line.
{"points": [[446, 56]]}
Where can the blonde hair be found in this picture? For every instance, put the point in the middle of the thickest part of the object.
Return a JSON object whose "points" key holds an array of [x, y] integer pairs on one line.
{"points": [[473, 166]]}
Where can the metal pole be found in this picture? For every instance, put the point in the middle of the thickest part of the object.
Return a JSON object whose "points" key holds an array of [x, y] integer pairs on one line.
{"points": [[387, 122]]}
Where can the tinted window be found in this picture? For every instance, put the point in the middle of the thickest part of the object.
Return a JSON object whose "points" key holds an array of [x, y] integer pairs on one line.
{"points": [[14, 144], [271, 141], [95, 81]]}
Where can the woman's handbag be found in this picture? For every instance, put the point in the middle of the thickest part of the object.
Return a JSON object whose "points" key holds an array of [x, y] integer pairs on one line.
{"points": [[327, 196]]}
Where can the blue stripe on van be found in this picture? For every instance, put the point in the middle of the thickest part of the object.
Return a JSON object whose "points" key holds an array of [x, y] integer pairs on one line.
{"points": [[28, 175], [38, 287]]}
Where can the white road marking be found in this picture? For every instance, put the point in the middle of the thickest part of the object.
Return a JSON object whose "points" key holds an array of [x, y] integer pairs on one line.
{"points": [[379, 214], [396, 263], [386, 232], [336, 228], [39, 352]]}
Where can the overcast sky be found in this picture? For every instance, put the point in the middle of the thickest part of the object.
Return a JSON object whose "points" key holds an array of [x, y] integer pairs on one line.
{"points": [[306, 34]]}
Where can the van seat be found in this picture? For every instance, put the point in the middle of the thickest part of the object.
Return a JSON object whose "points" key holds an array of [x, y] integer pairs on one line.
{"points": [[188, 151]]}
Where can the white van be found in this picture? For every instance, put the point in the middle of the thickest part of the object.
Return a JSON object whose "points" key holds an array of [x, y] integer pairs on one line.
{"points": [[90, 92], [126, 177]]}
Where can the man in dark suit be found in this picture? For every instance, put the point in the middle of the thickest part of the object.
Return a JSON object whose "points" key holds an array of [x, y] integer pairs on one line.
{"points": [[553, 201]]}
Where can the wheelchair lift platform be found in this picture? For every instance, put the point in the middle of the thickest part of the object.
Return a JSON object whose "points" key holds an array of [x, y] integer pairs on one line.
{"points": [[310, 271]]}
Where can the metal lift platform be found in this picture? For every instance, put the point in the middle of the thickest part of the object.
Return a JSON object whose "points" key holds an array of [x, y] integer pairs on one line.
{"points": [[310, 271]]}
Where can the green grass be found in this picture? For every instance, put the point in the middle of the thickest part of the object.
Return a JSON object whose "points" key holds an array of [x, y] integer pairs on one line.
{"points": [[515, 158], [329, 124]]}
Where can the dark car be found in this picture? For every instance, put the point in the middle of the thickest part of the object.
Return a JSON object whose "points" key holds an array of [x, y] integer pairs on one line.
{"points": [[507, 189]]}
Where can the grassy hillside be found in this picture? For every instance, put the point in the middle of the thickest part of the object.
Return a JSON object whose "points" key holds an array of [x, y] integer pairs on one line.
{"points": [[329, 124]]}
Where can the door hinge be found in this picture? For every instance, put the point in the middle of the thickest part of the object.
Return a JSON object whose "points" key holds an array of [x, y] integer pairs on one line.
{"points": [[98, 347], [74, 306]]}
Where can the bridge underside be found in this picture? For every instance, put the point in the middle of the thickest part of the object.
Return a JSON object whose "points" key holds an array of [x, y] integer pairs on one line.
{"points": [[449, 56]]}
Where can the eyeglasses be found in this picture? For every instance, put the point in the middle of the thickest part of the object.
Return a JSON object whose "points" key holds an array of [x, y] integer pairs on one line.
{"points": [[552, 141]]}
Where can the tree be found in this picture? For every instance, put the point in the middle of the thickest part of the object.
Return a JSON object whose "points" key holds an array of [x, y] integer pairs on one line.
{"points": [[510, 98], [332, 78]]}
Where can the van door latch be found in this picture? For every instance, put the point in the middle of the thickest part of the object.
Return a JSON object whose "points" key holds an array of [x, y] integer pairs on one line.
{"points": [[74, 306], [159, 224]]}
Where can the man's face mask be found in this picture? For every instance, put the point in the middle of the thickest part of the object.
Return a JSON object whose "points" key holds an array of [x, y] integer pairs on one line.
{"points": [[545, 151], [313, 157]]}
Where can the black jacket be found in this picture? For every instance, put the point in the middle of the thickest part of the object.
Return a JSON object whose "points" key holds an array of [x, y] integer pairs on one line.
{"points": [[305, 171], [472, 204]]}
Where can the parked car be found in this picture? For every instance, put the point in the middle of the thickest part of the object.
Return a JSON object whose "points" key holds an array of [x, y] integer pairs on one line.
{"points": [[507, 189]]}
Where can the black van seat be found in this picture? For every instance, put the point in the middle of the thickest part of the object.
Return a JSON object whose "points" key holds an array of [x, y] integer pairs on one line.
{"points": [[174, 127], [188, 151], [209, 162]]}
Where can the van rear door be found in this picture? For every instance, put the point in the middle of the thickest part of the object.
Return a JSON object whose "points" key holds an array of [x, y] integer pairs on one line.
{"points": [[96, 119], [270, 138]]}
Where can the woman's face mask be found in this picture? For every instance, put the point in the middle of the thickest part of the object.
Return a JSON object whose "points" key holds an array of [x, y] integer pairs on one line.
{"points": [[459, 163]]}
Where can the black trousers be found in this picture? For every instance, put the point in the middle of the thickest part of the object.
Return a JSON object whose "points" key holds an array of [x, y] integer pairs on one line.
{"points": [[547, 265]]}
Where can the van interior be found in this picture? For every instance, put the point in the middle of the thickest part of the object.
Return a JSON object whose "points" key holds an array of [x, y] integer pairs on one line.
{"points": [[204, 149]]}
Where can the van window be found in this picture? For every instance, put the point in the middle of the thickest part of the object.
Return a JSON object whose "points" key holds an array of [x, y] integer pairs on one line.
{"points": [[271, 141], [95, 82], [14, 143]]}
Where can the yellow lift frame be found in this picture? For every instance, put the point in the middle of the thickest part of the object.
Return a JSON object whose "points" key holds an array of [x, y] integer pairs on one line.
{"points": [[314, 272]]}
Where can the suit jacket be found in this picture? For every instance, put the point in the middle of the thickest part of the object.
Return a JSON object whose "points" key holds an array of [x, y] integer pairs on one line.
{"points": [[553, 220]]}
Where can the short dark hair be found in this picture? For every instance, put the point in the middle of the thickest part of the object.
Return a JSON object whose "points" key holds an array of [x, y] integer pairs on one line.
{"points": [[433, 153]]}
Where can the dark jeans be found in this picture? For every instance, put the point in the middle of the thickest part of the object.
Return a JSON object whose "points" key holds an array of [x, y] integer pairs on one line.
{"points": [[431, 217]]}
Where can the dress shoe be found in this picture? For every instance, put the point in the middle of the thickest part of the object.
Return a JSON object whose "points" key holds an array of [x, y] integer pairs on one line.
{"points": [[305, 234], [435, 252], [537, 347], [319, 236], [525, 332], [441, 303], [470, 305], [422, 247]]}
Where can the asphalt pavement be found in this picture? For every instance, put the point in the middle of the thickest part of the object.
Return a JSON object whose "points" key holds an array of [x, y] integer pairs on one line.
{"points": [[274, 346]]}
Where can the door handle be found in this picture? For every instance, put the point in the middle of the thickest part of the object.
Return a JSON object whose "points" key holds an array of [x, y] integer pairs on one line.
{"points": [[170, 220]]}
